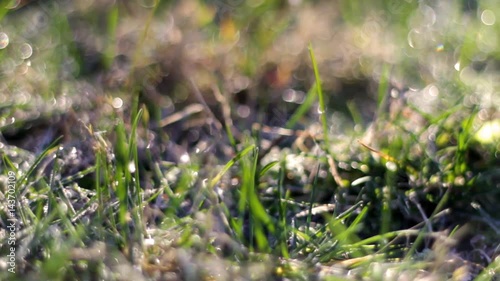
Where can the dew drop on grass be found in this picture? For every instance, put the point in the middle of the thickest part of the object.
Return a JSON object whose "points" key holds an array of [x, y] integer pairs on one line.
{"points": [[117, 103], [288, 95], [4, 40], [63, 207], [433, 91], [149, 242], [319, 111], [131, 167], [185, 158], [235, 181], [300, 97], [323, 174], [391, 166]]}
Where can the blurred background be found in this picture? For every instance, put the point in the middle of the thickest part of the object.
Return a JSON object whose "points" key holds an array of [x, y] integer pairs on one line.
{"points": [[62, 55]]}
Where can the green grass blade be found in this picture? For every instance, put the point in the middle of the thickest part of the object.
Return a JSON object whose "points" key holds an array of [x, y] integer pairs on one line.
{"points": [[113, 17], [489, 273], [229, 164], [135, 186], [422, 232], [267, 167], [122, 176], [39, 159], [322, 105], [30, 171], [311, 199], [303, 108], [282, 208]]}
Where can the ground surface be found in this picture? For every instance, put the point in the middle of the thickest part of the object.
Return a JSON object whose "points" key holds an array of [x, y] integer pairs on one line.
{"points": [[193, 140]]}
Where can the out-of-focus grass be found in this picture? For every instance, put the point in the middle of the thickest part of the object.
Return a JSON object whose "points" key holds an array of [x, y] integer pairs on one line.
{"points": [[250, 188]]}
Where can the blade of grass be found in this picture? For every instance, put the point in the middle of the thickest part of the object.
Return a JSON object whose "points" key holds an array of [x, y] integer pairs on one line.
{"points": [[311, 200], [266, 168], [489, 273], [355, 114], [50, 148], [136, 196], [122, 176], [22, 180], [422, 231], [322, 106], [133, 153], [346, 236], [465, 134], [282, 213], [257, 210], [112, 23], [229, 164], [303, 108]]}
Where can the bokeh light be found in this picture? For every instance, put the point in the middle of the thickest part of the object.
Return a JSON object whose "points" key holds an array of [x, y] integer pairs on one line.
{"points": [[4, 40]]}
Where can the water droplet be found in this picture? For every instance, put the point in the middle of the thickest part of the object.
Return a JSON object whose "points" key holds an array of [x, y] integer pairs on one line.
{"points": [[457, 66], [288, 95], [25, 51], [394, 93], [4, 40], [433, 91], [117, 103], [131, 167], [319, 110], [184, 158], [148, 242], [391, 166], [235, 181]]}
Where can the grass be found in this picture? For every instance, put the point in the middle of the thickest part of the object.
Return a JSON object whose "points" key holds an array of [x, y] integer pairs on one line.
{"points": [[209, 140]]}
